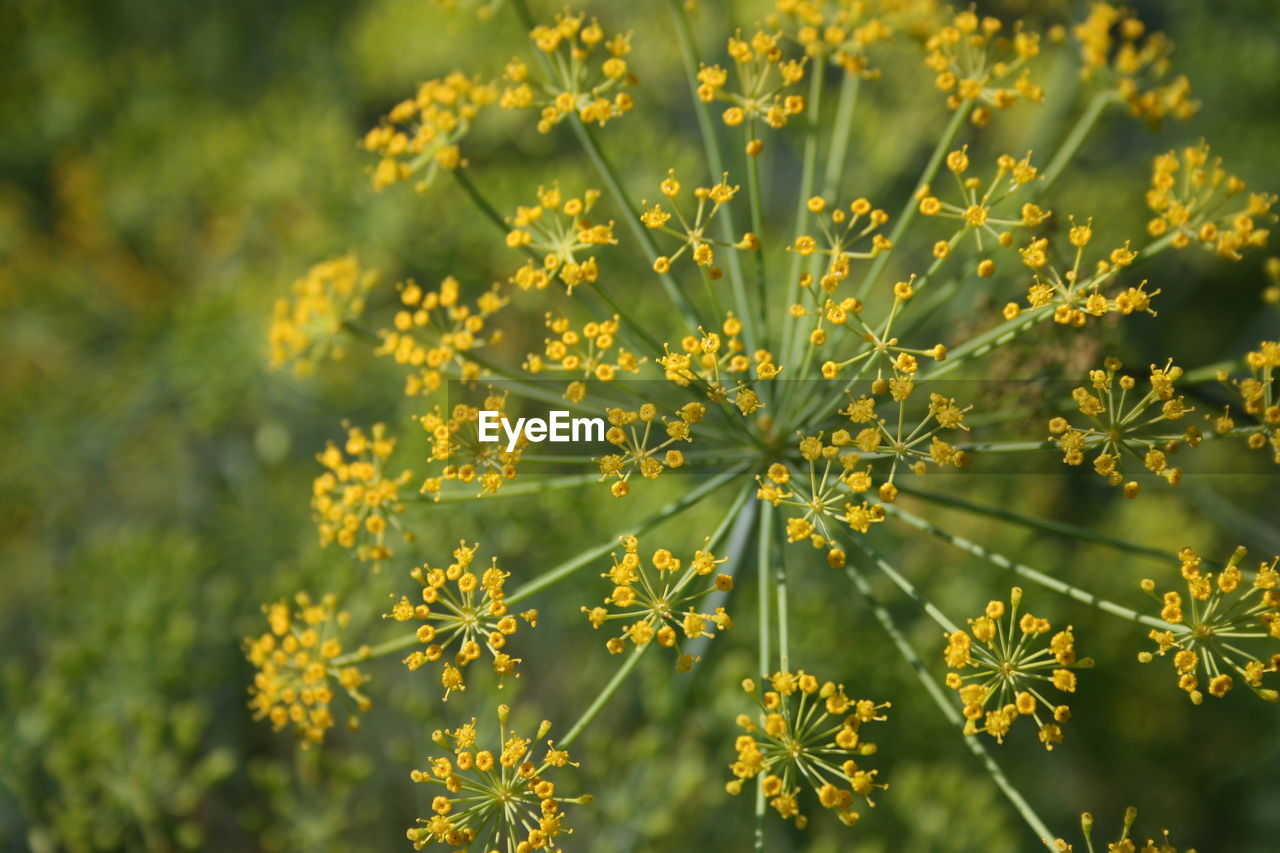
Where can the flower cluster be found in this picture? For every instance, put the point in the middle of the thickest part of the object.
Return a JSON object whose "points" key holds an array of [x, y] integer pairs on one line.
{"points": [[639, 435], [420, 135], [975, 64], [589, 352], [807, 734], [840, 231], [974, 212], [1188, 195], [1076, 292], [838, 33], [297, 659], [708, 358], [693, 234], [1258, 398], [764, 74], [1211, 626], [455, 441], [308, 328], [434, 331], [501, 801], [574, 84], [1012, 668], [658, 602], [1121, 427], [355, 500], [471, 614], [1116, 47], [559, 230]]}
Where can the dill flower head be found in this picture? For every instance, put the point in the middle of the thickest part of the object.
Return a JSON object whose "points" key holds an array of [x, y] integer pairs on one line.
{"points": [[764, 74], [711, 360], [496, 798], [464, 610], [590, 351], [975, 64], [308, 328], [1215, 627], [807, 734], [1123, 844], [841, 231], [1121, 424], [1075, 291], [560, 230], [1197, 201], [434, 332], [298, 663], [648, 444], [1258, 398], [839, 33], [657, 600], [584, 74], [1117, 49], [355, 500], [455, 441], [420, 135], [693, 231], [1002, 671]]}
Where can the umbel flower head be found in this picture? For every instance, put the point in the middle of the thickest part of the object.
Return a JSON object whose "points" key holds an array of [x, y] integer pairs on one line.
{"points": [[455, 441], [1258, 397], [658, 602], [1216, 629], [764, 74], [1122, 426], [841, 33], [297, 660], [434, 332], [807, 734], [646, 443], [588, 352], [1117, 50], [1193, 197], [463, 611], [497, 798], [1123, 844], [585, 74], [420, 135], [355, 500], [1077, 291], [308, 328], [975, 64], [560, 230], [693, 231], [1002, 671]]}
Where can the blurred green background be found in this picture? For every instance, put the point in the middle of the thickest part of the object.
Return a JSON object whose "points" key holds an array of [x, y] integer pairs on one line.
{"points": [[168, 169]]}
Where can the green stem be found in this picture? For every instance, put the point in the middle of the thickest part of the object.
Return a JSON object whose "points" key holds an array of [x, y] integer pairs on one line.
{"points": [[1027, 572], [808, 173], [763, 545], [1058, 527], [948, 709], [605, 695], [757, 226], [1072, 143], [912, 205], [568, 567], [840, 135]]}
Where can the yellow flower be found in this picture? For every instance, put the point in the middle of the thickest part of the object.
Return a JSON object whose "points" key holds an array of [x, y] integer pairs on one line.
{"points": [[309, 327], [807, 734], [499, 796], [354, 501], [470, 615], [657, 599], [299, 662], [1216, 625], [1001, 671]]}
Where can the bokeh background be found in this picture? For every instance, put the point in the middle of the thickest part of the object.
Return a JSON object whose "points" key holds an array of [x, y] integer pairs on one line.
{"points": [[166, 170]]}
